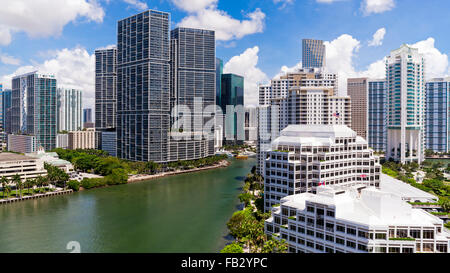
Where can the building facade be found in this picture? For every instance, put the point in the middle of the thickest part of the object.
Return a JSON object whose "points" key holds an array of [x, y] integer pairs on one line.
{"points": [[143, 87], [377, 134], [25, 166], [69, 109], [314, 53], [405, 72], [232, 104], [109, 142], [357, 89], [355, 220], [306, 157], [437, 115], [193, 87], [82, 140], [105, 88], [6, 110], [33, 108], [62, 141], [22, 143]]}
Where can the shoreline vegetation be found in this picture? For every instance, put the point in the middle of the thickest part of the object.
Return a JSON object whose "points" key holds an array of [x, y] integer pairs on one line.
{"points": [[247, 225], [114, 171]]}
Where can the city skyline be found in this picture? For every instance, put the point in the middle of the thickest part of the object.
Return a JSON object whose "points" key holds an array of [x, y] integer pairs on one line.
{"points": [[256, 50]]}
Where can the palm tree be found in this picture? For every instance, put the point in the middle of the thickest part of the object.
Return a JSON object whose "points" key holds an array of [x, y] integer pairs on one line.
{"points": [[18, 182], [40, 183], [4, 182]]}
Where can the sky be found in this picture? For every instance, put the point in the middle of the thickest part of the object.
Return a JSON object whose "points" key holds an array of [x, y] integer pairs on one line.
{"points": [[258, 39]]}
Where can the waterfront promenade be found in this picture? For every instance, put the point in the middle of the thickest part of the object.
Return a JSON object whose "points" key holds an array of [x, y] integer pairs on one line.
{"points": [[36, 196]]}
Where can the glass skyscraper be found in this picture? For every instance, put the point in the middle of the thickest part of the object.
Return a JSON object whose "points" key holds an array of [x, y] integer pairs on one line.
{"points": [[313, 53], [219, 73], [233, 95], [377, 115], [193, 74], [143, 87], [437, 115], [105, 88], [6, 110], [33, 109]]}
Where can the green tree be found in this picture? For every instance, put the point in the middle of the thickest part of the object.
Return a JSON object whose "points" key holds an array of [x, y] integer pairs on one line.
{"points": [[233, 248], [17, 180], [275, 246], [4, 182]]}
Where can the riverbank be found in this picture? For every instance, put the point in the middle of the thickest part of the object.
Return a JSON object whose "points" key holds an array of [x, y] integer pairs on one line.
{"points": [[140, 178], [36, 196]]}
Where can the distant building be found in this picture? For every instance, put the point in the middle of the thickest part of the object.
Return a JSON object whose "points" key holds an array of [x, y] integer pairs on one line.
{"points": [[22, 143], [87, 115], [62, 141], [377, 115], [6, 111], [251, 125], [25, 166], [405, 72], [89, 125], [357, 89], [105, 88], [314, 53], [33, 109], [359, 219], [69, 109], [233, 97], [438, 115], [109, 142], [82, 140]]}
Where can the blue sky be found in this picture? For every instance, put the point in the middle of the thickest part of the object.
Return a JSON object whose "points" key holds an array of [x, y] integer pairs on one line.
{"points": [[256, 38]]}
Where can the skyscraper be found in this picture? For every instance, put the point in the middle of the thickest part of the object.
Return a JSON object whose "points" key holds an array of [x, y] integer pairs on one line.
{"points": [[405, 105], [6, 110], [233, 95], [105, 88], [33, 109], [69, 105], [143, 87], [377, 115], [438, 115], [219, 73], [87, 115], [357, 90], [1, 108], [193, 66], [314, 53]]}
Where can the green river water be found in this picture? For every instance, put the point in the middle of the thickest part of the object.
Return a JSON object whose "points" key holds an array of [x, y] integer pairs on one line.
{"points": [[178, 214]]}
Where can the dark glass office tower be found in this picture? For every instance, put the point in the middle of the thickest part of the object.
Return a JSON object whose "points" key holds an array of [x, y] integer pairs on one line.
{"points": [[33, 108], [6, 110], [233, 95], [219, 72], [193, 85], [143, 87], [105, 88]]}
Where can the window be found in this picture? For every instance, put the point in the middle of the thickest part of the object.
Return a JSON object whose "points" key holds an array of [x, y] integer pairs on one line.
{"points": [[329, 250], [329, 238], [380, 236], [363, 234], [301, 230], [319, 235], [428, 234], [310, 244], [319, 247], [402, 233], [340, 228], [310, 232], [362, 247], [394, 250], [301, 241], [407, 250], [320, 212], [310, 209], [351, 244], [441, 248], [380, 249], [340, 241], [427, 247], [351, 231]]}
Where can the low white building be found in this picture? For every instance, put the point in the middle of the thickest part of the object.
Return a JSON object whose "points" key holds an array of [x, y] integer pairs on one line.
{"points": [[358, 219], [305, 157], [52, 159], [25, 166]]}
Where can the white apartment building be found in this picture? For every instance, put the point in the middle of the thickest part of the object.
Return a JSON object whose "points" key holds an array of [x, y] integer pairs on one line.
{"points": [[69, 109], [82, 140], [62, 141], [305, 157], [22, 143], [25, 166], [405, 72], [359, 219]]}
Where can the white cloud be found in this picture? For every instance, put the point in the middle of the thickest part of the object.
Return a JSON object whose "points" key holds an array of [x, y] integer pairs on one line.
{"points": [[139, 5], [378, 37], [283, 3], [436, 63], [44, 18], [326, 1], [377, 6], [6, 59], [246, 65], [73, 68], [204, 14], [195, 5], [285, 69]]}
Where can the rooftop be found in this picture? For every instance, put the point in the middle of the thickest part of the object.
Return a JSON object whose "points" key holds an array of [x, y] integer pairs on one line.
{"points": [[5, 157], [368, 206], [404, 190]]}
